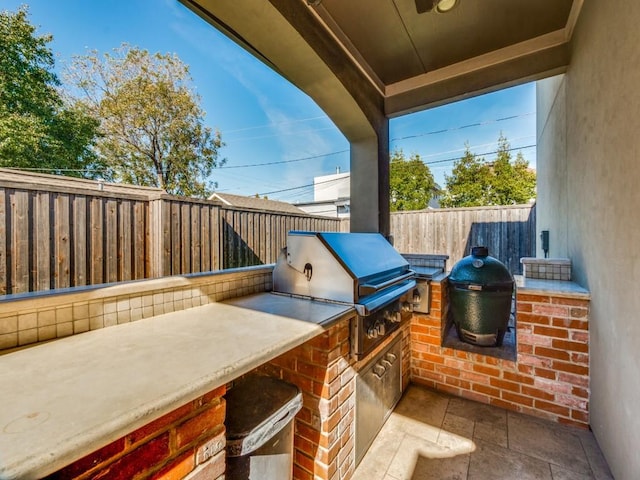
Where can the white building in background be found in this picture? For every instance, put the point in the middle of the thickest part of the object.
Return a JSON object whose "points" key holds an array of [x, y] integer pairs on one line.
{"points": [[331, 196]]}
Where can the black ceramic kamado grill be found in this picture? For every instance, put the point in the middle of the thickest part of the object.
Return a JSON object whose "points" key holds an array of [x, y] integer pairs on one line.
{"points": [[361, 269], [481, 289]]}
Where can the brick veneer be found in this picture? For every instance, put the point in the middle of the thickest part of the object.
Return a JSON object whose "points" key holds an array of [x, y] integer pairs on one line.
{"points": [[325, 428], [185, 443], [550, 378]]}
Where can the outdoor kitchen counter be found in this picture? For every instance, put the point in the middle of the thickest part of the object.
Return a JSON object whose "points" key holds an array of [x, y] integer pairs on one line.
{"points": [[63, 400], [545, 287]]}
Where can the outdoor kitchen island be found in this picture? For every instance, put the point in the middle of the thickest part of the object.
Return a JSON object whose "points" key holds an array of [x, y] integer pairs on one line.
{"points": [[147, 396]]}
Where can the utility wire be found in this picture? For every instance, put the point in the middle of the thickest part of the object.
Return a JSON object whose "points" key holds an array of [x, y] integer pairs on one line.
{"points": [[427, 163], [305, 186], [478, 154], [280, 134], [282, 161], [462, 127]]}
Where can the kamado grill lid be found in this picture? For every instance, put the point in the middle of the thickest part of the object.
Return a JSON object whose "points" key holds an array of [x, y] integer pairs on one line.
{"points": [[481, 271]]}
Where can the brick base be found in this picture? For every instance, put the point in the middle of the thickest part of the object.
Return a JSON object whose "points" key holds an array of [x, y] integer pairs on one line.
{"points": [[550, 378], [324, 428], [186, 443], [325, 372]]}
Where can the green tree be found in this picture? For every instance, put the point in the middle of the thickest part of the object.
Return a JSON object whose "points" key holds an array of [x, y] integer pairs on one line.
{"points": [[514, 182], [411, 183], [468, 183], [474, 182], [38, 128], [152, 128]]}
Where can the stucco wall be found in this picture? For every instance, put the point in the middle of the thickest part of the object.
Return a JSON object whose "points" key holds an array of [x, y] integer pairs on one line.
{"points": [[551, 165], [594, 208]]}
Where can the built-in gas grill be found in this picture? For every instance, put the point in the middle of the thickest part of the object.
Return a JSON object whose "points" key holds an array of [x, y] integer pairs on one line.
{"points": [[361, 269]]}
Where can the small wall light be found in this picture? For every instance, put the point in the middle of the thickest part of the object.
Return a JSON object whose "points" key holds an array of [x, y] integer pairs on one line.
{"points": [[441, 6], [445, 5]]}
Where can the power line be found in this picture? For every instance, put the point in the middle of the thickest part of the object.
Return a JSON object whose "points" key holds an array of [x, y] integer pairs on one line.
{"points": [[283, 161], [434, 132], [304, 186], [426, 163], [462, 127], [472, 147], [479, 154]]}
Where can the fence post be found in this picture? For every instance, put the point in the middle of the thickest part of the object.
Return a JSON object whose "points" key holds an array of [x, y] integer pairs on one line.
{"points": [[156, 238]]}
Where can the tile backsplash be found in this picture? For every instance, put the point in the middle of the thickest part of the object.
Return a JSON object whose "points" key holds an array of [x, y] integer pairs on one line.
{"points": [[547, 268], [42, 316]]}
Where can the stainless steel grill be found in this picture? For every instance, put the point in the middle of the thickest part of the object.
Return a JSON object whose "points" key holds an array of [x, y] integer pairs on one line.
{"points": [[361, 269]]}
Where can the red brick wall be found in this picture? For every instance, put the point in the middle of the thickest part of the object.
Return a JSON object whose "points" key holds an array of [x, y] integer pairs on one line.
{"points": [[324, 428], [187, 442], [550, 378]]}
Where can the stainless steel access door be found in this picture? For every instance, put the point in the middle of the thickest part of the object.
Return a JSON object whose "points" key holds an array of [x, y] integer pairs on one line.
{"points": [[378, 389]]}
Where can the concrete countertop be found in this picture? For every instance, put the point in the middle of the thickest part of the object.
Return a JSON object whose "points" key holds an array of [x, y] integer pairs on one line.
{"points": [[546, 287], [63, 400]]}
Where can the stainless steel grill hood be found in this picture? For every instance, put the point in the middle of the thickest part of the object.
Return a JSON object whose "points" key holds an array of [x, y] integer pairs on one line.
{"points": [[358, 268]]}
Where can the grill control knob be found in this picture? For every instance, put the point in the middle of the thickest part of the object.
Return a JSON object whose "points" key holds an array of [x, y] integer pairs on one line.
{"points": [[381, 328], [407, 307], [372, 332], [392, 316]]}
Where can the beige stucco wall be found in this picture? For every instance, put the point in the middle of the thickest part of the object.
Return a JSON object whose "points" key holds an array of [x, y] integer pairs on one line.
{"points": [[551, 165], [589, 197]]}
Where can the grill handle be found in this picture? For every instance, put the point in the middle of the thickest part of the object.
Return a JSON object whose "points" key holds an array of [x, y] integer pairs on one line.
{"points": [[370, 288], [384, 298]]}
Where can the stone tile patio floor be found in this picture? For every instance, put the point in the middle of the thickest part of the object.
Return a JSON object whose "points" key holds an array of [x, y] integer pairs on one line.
{"points": [[431, 435]]}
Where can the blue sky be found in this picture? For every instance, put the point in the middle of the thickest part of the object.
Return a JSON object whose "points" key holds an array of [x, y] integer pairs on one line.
{"points": [[263, 118]]}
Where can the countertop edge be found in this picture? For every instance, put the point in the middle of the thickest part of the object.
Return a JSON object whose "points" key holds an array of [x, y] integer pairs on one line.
{"points": [[42, 463], [558, 288]]}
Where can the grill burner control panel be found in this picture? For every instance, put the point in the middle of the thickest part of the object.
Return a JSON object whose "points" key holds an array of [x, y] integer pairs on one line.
{"points": [[368, 331]]}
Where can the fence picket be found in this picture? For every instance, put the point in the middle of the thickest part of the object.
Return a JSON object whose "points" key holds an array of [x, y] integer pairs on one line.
{"points": [[509, 232], [79, 257], [65, 237], [20, 241]]}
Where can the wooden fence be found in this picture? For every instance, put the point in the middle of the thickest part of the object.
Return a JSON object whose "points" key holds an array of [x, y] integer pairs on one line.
{"points": [[508, 231], [58, 233], [198, 236], [54, 234]]}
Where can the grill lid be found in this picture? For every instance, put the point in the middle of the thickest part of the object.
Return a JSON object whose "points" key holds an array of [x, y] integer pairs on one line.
{"points": [[365, 256], [345, 267]]}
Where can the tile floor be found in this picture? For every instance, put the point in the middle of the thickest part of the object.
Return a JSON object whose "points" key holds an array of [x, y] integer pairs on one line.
{"points": [[431, 435]]}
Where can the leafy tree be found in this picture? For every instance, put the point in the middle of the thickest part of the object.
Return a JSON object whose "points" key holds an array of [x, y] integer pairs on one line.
{"points": [[411, 183], [38, 129], [474, 182], [468, 183], [514, 183], [151, 125]]}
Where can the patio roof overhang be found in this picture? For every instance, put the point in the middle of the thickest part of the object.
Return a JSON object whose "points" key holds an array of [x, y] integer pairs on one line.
{"points": [[365, 61]]}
